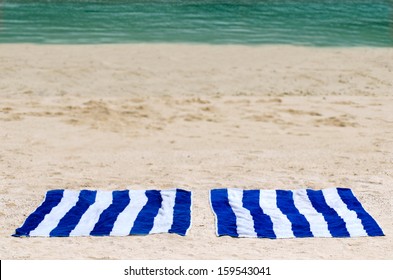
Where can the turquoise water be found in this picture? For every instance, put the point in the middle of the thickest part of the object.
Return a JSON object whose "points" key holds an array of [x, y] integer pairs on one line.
{"points": [[296, 22]]}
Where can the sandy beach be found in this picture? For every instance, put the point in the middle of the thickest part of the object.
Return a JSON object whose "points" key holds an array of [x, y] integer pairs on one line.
{"points": [[195, 117]]}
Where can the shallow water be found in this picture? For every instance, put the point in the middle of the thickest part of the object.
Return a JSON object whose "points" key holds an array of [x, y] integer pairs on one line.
{"points": [[296, 22]]}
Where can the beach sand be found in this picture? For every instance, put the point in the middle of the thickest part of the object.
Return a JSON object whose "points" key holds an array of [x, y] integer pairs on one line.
{"points": [[194, 117]]}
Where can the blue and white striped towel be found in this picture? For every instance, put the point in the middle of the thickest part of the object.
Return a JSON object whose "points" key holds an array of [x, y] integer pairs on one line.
{"points": [[115, 213], [333, 212]]}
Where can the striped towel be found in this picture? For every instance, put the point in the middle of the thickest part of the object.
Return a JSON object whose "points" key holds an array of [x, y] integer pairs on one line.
{"points": [[331, 212], [115, 213]]}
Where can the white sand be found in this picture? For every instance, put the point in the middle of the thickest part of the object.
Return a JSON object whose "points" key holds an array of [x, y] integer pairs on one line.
{"points": [[195, 117]]}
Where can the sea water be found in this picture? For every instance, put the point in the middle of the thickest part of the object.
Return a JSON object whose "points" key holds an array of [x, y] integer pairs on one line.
{"points": [[295, 22]]}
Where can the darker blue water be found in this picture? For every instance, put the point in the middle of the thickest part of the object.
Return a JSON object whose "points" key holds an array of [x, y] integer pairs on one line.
{"points": [[296, 22]]}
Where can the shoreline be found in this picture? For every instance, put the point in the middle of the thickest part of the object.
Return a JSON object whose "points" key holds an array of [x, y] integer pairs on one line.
{"points": [[187, 43]]}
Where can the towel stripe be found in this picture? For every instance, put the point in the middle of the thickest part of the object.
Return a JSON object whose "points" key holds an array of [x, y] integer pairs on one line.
{"points": [[353, 224], [51, 220], [52, 199], [272, 214], [126, 219], [145, 219], [336, 224], [263, 224], [92, 215], [300, 226], [244, 220], [318, 225], [164, 219], [281, 224], [226, 219], [120, 200], [72, 218], [369, 224], [181, 213]]}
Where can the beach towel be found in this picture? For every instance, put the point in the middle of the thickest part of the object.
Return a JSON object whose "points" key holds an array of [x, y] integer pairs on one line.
{"points": [[110, 213], [333, 212]]}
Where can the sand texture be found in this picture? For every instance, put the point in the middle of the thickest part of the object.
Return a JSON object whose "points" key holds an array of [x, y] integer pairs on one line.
{"points": [[195, 117]]}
